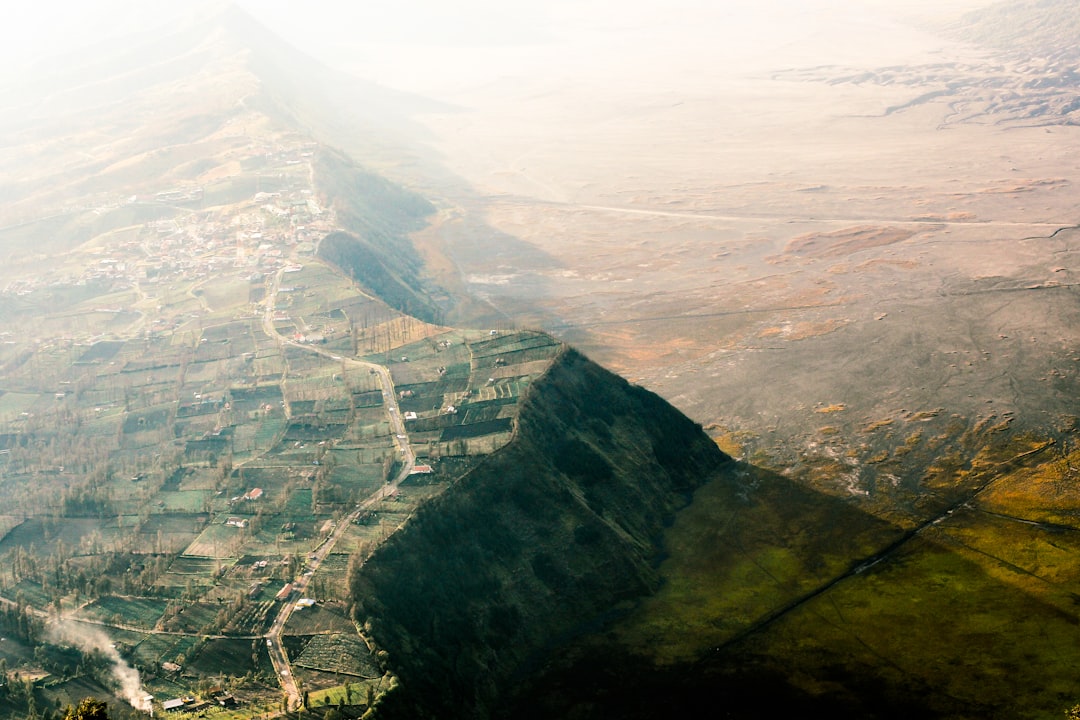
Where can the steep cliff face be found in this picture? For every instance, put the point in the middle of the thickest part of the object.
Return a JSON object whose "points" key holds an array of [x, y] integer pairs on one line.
{"points": [[534, 544]]}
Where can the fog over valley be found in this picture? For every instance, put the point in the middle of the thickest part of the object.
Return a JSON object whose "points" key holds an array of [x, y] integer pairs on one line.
{"points": [[575, 359]]}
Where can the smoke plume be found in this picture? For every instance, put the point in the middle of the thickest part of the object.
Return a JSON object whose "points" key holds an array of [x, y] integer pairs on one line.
{"points": [[92, 640]]}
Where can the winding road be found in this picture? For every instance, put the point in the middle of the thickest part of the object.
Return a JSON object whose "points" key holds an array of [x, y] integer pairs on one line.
{"points": [[276, 650]]}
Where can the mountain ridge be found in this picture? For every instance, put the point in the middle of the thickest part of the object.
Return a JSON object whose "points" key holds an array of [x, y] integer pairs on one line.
{"points": [[532, 545]]}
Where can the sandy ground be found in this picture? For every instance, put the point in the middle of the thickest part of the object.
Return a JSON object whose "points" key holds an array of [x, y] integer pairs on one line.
{"points": [[758, 224]]}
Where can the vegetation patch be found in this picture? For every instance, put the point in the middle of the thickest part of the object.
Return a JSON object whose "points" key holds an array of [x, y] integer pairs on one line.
{"points": [[138, 611], [339, 653]]}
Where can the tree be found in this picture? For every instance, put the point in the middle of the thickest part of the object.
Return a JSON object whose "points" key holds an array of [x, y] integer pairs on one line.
{"points": [[89, 709]]}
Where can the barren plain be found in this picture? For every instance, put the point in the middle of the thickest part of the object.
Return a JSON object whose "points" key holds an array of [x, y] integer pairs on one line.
{"points": [[848, 212]]}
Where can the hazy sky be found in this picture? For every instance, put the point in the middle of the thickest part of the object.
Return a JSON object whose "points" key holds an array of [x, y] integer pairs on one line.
{"points": [[427, 44]]}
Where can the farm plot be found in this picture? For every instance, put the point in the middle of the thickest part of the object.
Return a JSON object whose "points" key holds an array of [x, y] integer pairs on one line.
{"points": [[173, 532], [419, 397], [273, 541], [514, 347], [308, 364], [334, 406], [505, 389], [204, 371], [360, 380], [364, 535], [475, 430], [153, 649], [318, 386], [335, 416], [199, 478], [30, 592], [391, 335], [260, 476], [204, 403], [138, 611], [361, 478], [369, 423], [306, 432], [184, 501], [212, 352], [102, 351], [226, 293], [479, 412], [367, 399], [189, 565], [361, 455], [232, 331], [267, 366], [217, 541], [41, 535], [104, 425], [253, 618], [232, 657], [194, 618], [14, 404], [338, 653], [246, 400], [207, 449], [454, 380], [333, 568], [341, 345], [268, 432]]}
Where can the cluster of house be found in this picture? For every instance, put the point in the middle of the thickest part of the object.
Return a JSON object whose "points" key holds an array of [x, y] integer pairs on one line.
{"points": [[187, 703], [196, 246]]}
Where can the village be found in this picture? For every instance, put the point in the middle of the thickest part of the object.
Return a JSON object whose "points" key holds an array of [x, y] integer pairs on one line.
{"points": [[195, 452], [198, 239]]}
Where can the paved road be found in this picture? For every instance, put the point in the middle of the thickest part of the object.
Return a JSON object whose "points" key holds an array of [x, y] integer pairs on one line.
{"points": [[315, 558]]}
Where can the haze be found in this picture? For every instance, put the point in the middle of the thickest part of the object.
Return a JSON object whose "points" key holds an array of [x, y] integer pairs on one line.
{"points": [[256, 272]]}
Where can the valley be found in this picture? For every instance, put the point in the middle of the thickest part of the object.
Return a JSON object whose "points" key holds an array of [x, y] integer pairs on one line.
{"points": [[206, 424], [299, 413]]}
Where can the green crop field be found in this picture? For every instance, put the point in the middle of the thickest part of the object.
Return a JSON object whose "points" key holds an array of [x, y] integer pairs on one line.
{"points": [[339, 653], [253, 618], [190, 501], [14, 404], [193, 617], [231, 657], [140, 612]]}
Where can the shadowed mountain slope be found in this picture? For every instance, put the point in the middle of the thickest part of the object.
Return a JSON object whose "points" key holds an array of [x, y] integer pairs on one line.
{"points": [[532, 545]]}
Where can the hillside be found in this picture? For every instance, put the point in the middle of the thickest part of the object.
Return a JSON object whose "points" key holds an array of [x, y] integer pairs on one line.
{"points": [[240, 447], [534, 544], [375, 249], [1046, 29]]}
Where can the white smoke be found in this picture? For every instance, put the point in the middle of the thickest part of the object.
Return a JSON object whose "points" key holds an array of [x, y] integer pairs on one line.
{"points": [[89, 639]]}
